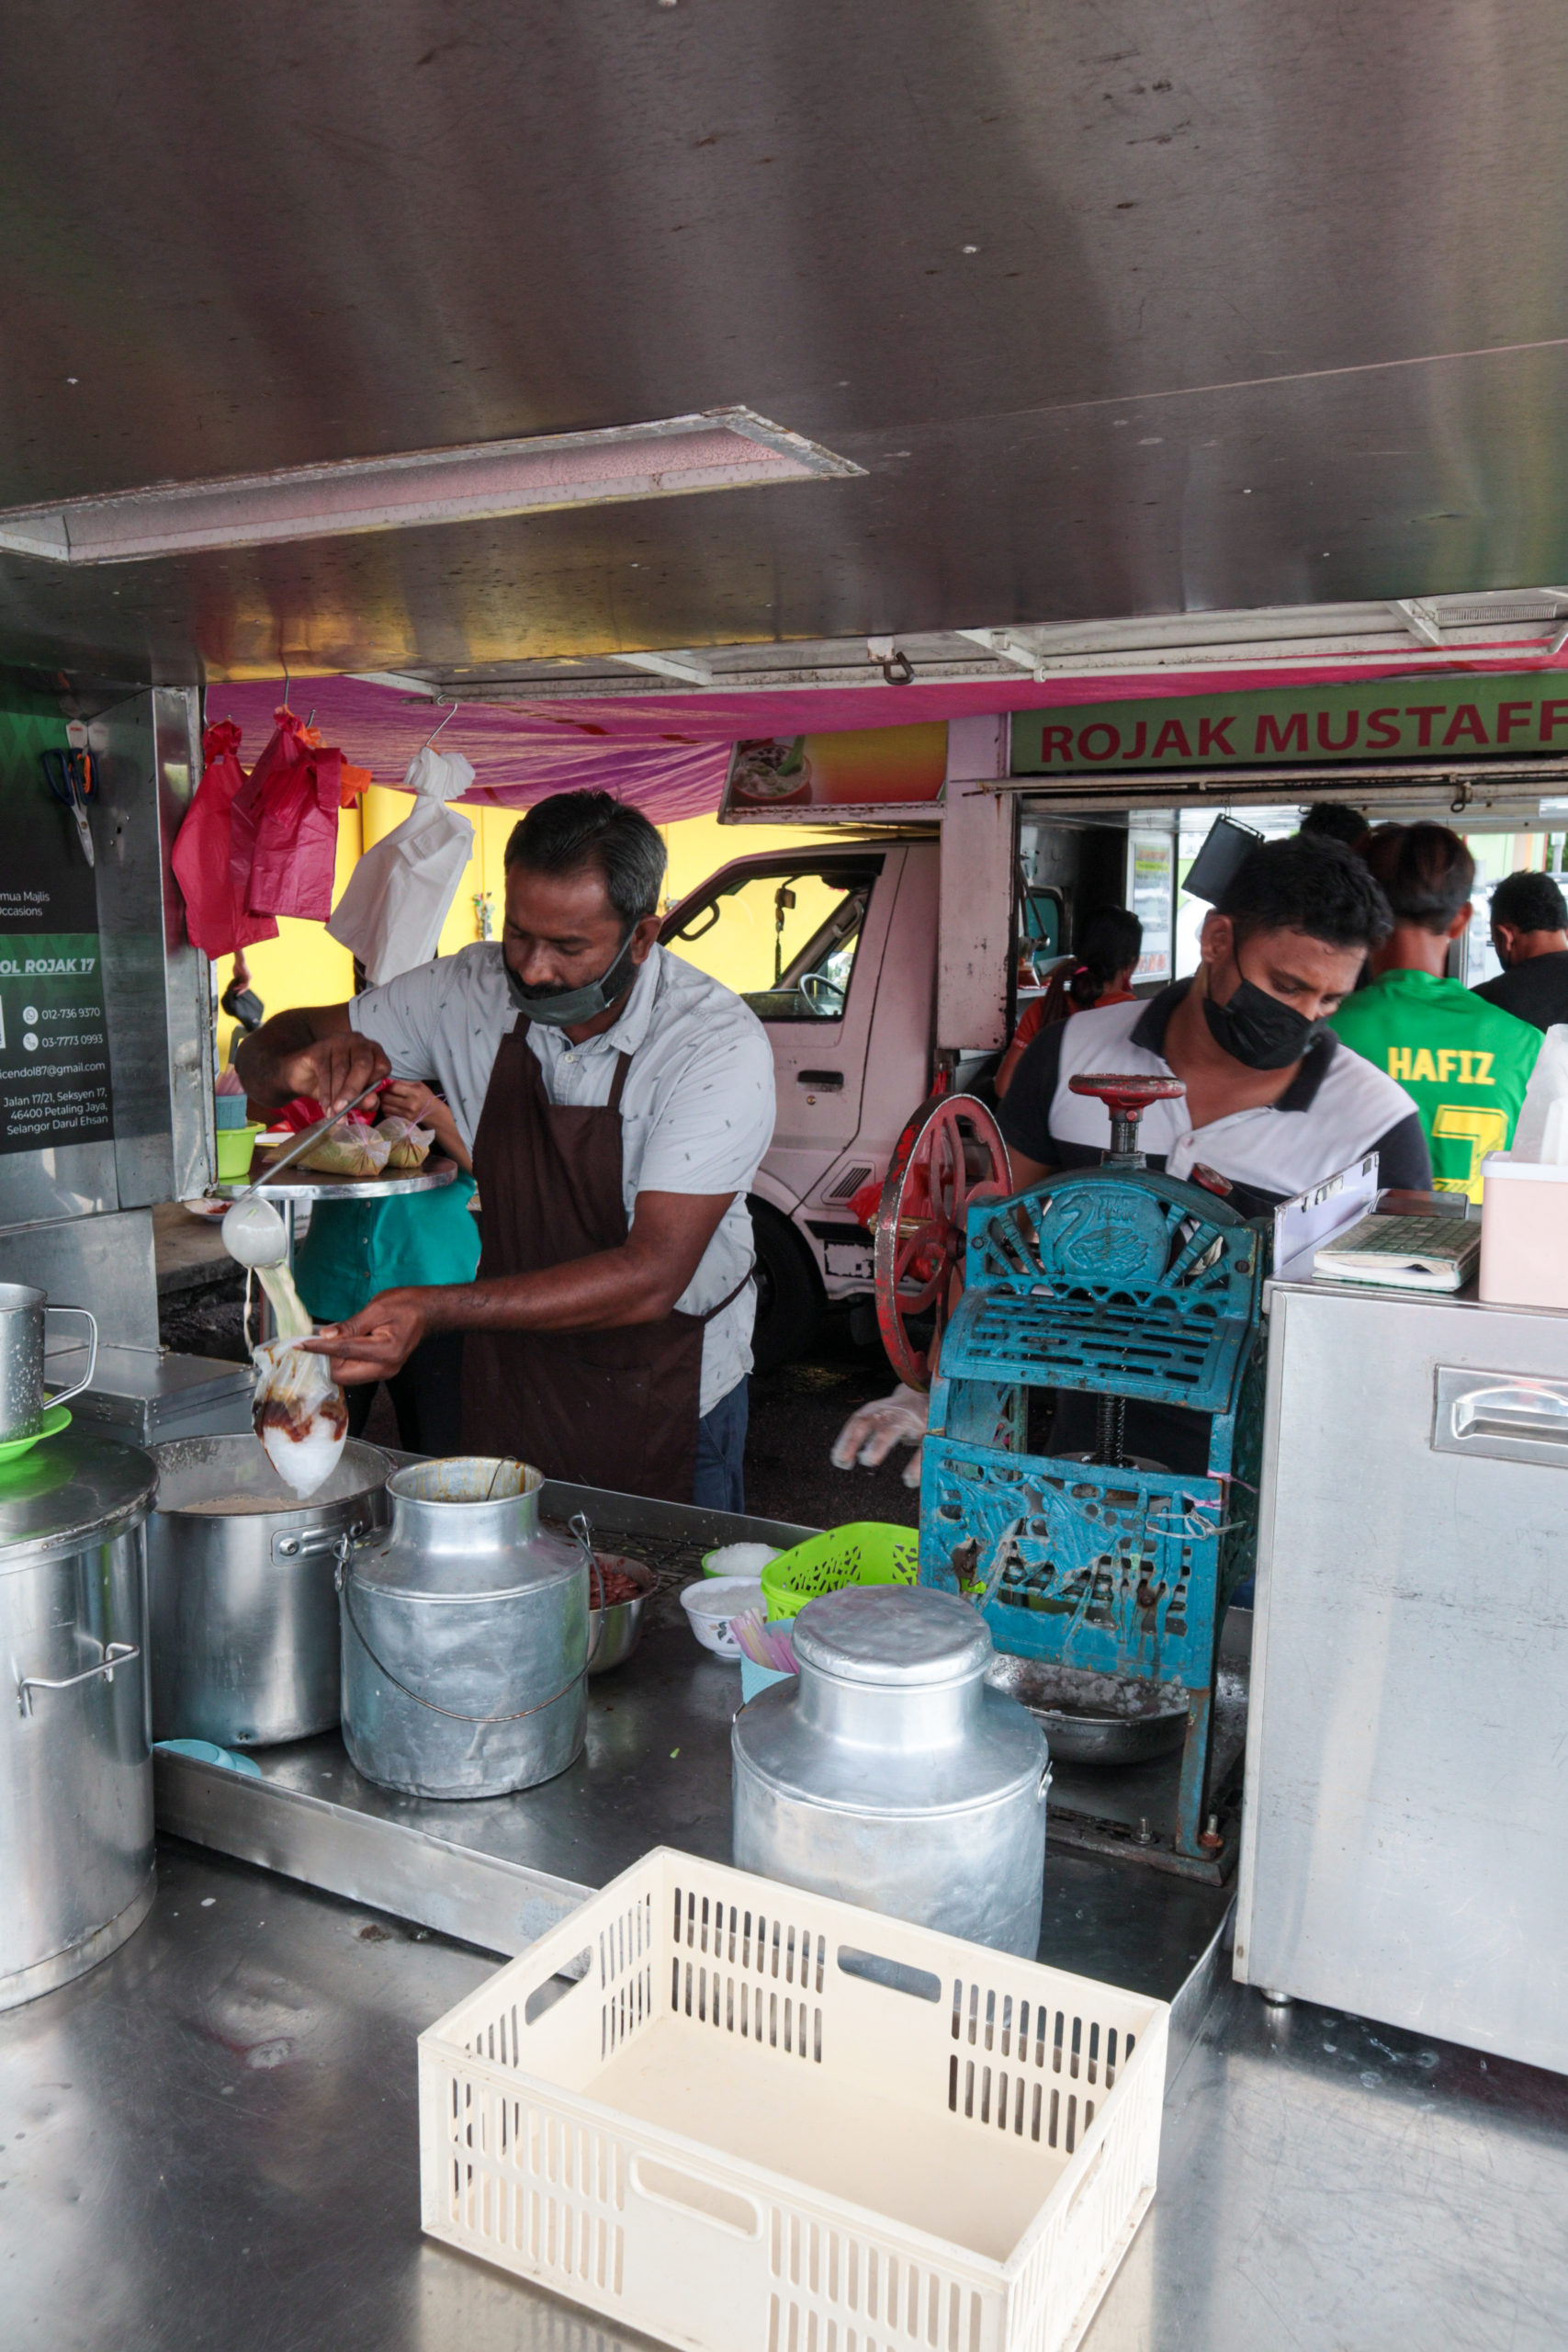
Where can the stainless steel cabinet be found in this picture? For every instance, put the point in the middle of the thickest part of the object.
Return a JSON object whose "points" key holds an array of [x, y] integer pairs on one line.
{"points": [[1404, 1852]]}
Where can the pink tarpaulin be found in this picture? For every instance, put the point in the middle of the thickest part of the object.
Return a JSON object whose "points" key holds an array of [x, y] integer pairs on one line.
{"points": [[667, 754]]}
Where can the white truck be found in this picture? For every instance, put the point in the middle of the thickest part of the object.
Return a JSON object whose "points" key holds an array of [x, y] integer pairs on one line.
{"points": [[884, 964]]}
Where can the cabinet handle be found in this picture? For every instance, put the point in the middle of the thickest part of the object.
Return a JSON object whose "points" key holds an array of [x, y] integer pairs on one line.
{"points": [[830, 1082], [114, 1653], [1505, 1415]]}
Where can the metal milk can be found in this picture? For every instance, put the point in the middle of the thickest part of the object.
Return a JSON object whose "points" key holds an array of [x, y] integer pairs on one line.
{"points": [[75, 1766], [465, 1635], [890, 1775]]}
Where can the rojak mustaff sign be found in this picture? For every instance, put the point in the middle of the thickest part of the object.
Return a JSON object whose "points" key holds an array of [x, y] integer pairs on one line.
{"points": [[1508, 715]]}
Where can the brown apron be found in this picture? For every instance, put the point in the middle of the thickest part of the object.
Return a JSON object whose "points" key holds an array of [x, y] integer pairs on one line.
{"points": [[600, 1409]]}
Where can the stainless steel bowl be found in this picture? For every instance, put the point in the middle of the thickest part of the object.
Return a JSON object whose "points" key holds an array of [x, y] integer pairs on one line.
{"points": [[613, 1633], [1094, 1718]]}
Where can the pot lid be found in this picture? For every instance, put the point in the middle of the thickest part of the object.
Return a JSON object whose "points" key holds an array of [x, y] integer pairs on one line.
{"points": [[897, 1636], [68, 1490]]}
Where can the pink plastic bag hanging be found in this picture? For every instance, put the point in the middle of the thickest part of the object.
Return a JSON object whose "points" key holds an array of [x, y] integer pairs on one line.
{"points": [[215, 914], [284, 851]]}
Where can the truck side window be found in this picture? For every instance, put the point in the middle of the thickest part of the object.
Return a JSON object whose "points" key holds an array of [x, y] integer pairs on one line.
{"points": [[784, 940]]}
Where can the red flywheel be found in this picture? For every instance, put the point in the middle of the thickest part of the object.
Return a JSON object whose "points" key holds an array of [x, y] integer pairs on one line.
{"points": [[949, 1155]]}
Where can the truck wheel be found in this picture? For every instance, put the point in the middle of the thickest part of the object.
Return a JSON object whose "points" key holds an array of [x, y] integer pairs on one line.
{"points": [[789, 1290]]}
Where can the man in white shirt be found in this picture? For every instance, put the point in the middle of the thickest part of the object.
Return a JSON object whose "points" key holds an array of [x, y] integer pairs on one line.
{"points": [[1271, 1101], [616, 1104]]}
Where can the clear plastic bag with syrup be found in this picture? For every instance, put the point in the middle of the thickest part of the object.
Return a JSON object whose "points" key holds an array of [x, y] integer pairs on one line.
{"points": [[298, 1409], [298, 1413]]}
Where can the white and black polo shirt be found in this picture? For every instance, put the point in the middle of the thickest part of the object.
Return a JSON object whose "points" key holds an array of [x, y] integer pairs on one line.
{"points": [[1336, 1107]]}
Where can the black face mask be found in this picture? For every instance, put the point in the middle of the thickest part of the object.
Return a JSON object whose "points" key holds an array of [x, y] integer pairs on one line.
{"points": [[1256, 1029], [569, 1008]]}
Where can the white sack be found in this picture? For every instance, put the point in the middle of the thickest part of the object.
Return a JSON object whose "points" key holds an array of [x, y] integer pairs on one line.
{"points": [[1539, 1136], [399, 894]]}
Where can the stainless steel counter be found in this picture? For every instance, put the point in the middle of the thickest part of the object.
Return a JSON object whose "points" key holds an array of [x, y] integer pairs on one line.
{"points": [[210, 2145]]}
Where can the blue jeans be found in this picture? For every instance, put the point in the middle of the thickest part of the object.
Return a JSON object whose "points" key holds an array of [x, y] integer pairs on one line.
{"points": [[719, 1483]]}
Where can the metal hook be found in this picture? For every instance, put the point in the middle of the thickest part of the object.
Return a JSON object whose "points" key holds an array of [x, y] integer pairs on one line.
{"points": [[436, 729]]}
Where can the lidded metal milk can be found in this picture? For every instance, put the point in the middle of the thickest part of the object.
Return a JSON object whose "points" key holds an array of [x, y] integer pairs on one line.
{"points": [[465, 1635], [75, 1766], [890, 1775]]}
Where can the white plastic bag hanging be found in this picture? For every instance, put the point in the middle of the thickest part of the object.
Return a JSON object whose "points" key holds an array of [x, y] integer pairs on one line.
{"points": [[398, 896]]}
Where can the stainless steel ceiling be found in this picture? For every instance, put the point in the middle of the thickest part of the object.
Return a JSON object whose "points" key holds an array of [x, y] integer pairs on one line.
{"points": [[1267, 307]]}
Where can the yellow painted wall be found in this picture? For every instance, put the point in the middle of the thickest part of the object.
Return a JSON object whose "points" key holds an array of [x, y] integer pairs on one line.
{"points": [[305, 965]]}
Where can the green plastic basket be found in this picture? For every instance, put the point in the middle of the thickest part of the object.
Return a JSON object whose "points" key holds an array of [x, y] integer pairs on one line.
{"points": [[866, 1552]]}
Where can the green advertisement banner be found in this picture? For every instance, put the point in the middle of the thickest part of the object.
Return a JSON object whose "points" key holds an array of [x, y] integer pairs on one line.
{"points": [[1421, 718], [54, 1066]]}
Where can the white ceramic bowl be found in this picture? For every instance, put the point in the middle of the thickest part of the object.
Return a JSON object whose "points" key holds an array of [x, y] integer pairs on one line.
{"points": [[709, 1606]]}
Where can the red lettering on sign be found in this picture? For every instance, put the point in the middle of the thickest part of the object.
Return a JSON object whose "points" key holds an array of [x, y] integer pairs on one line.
{"points": [[1056, 742], [1466, 720], [1212, 737], [1139, 739], [1382, 729], [1272, 736], [1112, 741], [1553, 716], [1425, 712], [1352, 729], [1506, 719], [1172, 737]]}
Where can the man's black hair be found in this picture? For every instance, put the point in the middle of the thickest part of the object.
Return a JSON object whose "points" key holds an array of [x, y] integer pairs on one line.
{"points": [[573, 830], [1426, 871], [1306, 884], [1529, 902], [1334, 820]]}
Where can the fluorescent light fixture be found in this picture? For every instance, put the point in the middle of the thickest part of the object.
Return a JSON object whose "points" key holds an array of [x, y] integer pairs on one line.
{"points": [[724, 448]]}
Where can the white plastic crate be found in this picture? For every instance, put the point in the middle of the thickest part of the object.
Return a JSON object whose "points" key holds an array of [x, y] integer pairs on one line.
{"points": [[762, 2120]]}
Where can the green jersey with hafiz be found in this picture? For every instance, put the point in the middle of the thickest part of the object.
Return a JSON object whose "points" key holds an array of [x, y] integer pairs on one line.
{"points": [[1465, 1063]]}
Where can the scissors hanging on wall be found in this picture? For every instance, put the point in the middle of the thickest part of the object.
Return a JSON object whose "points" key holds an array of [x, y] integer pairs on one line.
{"points": [[71, 778]]}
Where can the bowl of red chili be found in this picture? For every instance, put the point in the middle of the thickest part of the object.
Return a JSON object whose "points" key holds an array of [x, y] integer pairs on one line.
{"points": [[618, 1590]]}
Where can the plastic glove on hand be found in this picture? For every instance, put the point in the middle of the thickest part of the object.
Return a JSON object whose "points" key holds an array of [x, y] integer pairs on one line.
{"points": [[870, 1435]]}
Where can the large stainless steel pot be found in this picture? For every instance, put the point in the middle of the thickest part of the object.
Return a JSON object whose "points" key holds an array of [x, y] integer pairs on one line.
{"points": [[465, 1636], [890, 1775], [75, 1765], [243, 1611]]}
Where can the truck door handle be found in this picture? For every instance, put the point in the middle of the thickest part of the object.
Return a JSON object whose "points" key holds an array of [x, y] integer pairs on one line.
{"points": [[828, 1082], [1511, 1418]]}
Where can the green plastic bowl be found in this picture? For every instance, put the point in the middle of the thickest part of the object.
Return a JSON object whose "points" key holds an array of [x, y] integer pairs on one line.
{"points": [[868, 1551]]}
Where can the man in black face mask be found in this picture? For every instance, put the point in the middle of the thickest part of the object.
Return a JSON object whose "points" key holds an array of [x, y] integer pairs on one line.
{"points": [[1273, 1103], [617, 1103]]}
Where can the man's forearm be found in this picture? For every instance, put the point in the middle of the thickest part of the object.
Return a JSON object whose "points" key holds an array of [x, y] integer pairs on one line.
{"points": [[609, 1292]]}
